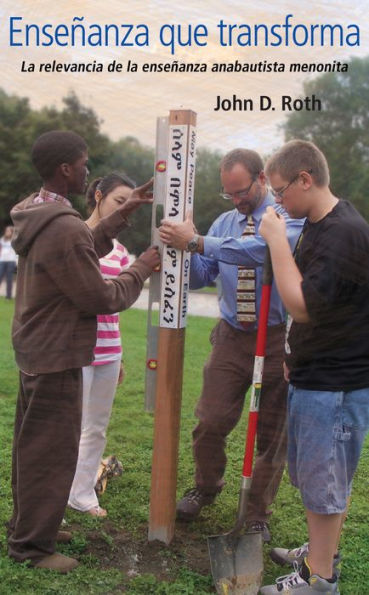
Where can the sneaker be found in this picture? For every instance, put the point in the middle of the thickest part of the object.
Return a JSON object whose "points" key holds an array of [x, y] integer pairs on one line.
{"points": [[294, 582], [57, 562], [259, 527], [189, 507], [283, 556]]}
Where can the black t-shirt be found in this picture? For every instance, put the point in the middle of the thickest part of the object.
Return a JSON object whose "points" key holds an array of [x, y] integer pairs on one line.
{"points": [[331, 351]]}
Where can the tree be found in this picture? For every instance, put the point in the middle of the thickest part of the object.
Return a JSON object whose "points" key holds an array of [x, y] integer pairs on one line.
{"points": [[208, 203], [20, 125], [16, 133], [340, 129], [138, 162]]}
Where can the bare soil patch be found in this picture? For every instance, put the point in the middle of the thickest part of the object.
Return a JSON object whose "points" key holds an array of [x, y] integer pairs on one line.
{"points": [[134, 555]]}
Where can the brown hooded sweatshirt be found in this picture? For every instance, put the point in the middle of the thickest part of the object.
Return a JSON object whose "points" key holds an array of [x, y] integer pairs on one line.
{"points": [[60, 289]]}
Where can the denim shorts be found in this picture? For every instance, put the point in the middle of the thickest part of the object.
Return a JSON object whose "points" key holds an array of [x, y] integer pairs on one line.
{"points": [[326, 431]]}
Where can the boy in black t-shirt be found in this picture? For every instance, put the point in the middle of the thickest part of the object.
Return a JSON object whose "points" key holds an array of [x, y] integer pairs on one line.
{"points": [[325, 289]]}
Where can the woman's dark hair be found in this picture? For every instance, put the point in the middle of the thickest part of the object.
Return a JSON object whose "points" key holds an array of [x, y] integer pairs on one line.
{"points": [[106, 185]]}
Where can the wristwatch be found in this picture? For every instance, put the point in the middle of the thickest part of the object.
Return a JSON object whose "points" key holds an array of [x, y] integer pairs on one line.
{"points": [[193, 244]]}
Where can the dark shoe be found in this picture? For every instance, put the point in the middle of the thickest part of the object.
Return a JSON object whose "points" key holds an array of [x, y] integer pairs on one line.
{"points": [[57, 562], [64, 537], [189, 507], [259, 527]]}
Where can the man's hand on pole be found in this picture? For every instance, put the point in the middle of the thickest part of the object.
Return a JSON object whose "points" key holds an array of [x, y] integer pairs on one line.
{"points": [[177, 234], [286, 274], [272, 227]]}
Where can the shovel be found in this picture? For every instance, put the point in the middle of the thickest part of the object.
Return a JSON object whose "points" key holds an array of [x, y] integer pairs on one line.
{"points": [[236, 558]]}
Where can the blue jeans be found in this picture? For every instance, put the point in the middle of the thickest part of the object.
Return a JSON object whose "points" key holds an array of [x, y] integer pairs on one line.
{"points": [[326, 431], [7, 269]]}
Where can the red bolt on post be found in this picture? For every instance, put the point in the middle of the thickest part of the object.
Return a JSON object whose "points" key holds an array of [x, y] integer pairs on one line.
{"points": [[161, 166], [152, 364]]}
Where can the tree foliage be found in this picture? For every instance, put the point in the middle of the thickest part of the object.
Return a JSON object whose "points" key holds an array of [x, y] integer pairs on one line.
{"points": [[340, 129], [20, 125], [208, 203]]}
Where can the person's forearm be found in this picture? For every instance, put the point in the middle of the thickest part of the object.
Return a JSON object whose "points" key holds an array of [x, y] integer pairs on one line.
{"points": [[288, 280], [107, 229], [248, 252], [203, 271]]}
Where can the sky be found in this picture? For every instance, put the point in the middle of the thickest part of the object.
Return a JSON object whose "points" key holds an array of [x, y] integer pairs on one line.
{"points": [[129, 103]]}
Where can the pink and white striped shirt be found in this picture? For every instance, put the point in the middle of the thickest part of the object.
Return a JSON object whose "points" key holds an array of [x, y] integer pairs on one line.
{"points": [[108, 345]]}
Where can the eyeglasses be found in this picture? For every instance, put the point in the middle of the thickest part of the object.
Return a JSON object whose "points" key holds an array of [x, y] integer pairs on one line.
{"points": [[239, 194], [284, 188]]}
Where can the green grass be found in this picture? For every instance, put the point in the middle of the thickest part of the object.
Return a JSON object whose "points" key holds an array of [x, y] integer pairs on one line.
{"points": [[109, 548]]}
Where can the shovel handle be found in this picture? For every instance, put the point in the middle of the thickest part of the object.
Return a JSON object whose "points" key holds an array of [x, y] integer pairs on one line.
{"points": [[267, 268], [258, 365]]}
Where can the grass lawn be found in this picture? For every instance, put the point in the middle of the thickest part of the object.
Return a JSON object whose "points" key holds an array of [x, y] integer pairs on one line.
{"points": [[114, 553]]}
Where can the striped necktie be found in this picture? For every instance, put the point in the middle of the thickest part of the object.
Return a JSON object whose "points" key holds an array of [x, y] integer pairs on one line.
{"points": [[246, 312]]}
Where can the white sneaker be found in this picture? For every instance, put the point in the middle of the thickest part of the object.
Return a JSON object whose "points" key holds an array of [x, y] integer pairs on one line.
{"points": [[283, 556], [294, 582]]}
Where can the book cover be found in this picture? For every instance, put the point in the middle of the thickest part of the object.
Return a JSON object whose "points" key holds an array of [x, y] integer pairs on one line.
{"points": [[254, 75]]}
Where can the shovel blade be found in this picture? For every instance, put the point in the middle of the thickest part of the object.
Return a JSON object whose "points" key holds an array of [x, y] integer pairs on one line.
{"points": [[236, 563]]}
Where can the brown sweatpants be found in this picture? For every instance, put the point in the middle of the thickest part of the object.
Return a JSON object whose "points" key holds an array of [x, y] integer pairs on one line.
{"points": [[227, 377], [45, 451]]}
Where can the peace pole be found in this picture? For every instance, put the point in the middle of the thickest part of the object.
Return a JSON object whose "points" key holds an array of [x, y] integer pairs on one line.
{"points": [[179, 169]]}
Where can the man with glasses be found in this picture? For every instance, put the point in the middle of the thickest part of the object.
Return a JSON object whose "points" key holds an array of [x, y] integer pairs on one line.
{"points": [[228, 372], [325, 289]]}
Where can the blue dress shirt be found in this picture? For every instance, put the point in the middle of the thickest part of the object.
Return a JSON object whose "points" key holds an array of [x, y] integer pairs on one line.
{"points": [[224, 250]]}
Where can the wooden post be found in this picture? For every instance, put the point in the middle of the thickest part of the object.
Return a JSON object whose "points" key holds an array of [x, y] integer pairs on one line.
{"points": [[173, 310]]}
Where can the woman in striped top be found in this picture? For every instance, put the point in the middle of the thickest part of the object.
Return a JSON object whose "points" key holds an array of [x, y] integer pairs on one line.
{"points": [[100, 379]]}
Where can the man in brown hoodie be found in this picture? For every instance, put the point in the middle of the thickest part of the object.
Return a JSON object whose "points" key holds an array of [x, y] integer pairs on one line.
{"points": [[59, 293]]}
